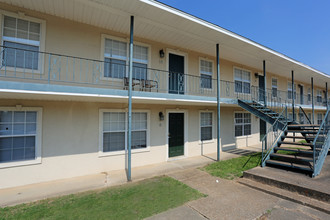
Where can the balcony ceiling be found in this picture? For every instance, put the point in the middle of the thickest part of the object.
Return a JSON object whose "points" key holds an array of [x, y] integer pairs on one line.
{"points": [[167, 25]]}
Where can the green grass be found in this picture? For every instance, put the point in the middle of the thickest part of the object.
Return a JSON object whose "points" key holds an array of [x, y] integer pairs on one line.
{"points": [[233, 168], [130, 201]]}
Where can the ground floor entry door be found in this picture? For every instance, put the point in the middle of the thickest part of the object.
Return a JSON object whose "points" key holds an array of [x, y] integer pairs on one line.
{"points": [[176, 134]]}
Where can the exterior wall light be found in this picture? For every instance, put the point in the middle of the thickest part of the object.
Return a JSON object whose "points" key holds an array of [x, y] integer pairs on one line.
{"points": [[161, 53], [161, 116]]}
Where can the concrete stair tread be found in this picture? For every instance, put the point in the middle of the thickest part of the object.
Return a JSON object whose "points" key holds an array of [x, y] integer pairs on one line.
{"points": [[293, 157], [294, 150], [295, 143]]}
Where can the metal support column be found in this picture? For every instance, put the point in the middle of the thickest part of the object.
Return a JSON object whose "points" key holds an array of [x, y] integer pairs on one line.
{"points": [[265, 83], [293, 95], [312, 82], [326, 95], [218, 103], [130, 73]]}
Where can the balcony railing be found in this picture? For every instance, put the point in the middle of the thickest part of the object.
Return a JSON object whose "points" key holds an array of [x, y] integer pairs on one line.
{"points": [[21, 65]]}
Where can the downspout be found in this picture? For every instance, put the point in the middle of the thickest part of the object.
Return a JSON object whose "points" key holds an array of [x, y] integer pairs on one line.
{"points": [[293, 96], [312, 82]]}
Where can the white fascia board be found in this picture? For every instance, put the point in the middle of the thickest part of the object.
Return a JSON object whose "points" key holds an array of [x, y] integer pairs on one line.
{"points": [[227, 32]]}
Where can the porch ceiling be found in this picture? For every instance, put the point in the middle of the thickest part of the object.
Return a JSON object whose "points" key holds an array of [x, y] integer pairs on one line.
{"points": [[167, 25]]}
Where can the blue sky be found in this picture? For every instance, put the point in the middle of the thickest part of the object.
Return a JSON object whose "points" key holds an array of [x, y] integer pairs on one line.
{"points": [[299, 29]]}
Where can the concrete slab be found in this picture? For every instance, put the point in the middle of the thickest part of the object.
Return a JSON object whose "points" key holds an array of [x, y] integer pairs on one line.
{"points": [[317, 187], [33, 192], [228, 199]]}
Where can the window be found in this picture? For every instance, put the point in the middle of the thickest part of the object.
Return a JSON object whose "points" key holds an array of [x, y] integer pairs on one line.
{"points": [[242, 81], [19, 135], [242, 124], [206, 126], [116, 58], [206, 71], [274, 87], [309, 95], [318, 96], [319, 118], [290, 90], [25, 36], [114, 130]]}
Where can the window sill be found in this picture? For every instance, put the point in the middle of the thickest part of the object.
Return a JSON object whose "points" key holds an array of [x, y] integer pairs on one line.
{"points": [[21, 70], [122, 152], [20, 163], [206, 142], [104, 78], [244, 136]]}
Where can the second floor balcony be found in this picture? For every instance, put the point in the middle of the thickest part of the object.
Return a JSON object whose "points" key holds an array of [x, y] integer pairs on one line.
{"points": [[30, 70]]}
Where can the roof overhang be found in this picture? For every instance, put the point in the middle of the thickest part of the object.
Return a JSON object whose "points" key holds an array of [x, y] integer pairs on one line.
{"points": [[161, 23]]}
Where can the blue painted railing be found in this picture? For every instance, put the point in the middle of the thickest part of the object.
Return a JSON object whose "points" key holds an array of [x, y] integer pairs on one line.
{"points": [[273, 135], [321, 144], [50, 68]]}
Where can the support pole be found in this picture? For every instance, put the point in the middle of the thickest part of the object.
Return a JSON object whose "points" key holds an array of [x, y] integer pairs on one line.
{"points": [[218, 103], [130, 73], [265, 83], [326, 95], [293, 95], [312, 82]]}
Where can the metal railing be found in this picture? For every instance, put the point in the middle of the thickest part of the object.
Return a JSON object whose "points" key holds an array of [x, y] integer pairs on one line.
{"points": [[273, 135], [321, 144], [303, 118], [50, 68]]}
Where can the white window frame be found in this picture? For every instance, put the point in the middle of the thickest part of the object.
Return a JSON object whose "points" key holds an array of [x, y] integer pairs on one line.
{"points": [[37, 159], [294, 92], [122, 152], [200, 72], [309, 94], [319, 94], [250, 72], [276, 87], [41, 44], [124, 40], [213, 127], [249, 135], [317, 118]]}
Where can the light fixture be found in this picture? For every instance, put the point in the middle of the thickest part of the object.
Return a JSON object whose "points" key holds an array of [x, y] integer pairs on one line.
{"points": [[256, 75], [161, 53], [161, 116]]}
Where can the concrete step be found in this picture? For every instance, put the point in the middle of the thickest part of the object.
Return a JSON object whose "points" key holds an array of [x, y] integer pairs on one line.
{"points": [[285, 194], [291, 182], [297, 151], [296, 143], [297, 159]]}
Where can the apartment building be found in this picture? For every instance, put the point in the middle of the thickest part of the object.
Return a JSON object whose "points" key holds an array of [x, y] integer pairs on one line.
{"points": [[64, 87]]}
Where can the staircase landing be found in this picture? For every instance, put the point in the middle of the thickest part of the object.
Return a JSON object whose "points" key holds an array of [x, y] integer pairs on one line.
{"points": [[317, 187]]}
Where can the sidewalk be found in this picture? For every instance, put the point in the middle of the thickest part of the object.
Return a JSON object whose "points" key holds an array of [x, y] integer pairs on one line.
{"points": [[33, 192], [228, 199]]}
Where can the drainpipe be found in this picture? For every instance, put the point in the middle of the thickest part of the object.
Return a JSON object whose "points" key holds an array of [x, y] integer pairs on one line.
{"points": [[130, 73], [218, 103], [312, 82], [293, 95]]}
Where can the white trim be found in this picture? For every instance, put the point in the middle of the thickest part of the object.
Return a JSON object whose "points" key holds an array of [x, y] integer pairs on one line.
{"points": [[213, 127], [242, 136], [186, 127], [200, 74], [124, 40], [240, 68], [38, 143], [41, 45], [227, 32], [122, 152]]}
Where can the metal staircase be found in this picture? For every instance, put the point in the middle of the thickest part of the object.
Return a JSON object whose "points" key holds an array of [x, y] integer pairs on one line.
{"points": [[300, 147], [267, 114]]}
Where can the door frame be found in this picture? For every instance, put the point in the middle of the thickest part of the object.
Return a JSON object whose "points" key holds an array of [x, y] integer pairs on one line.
{"points": [[180, 53], [185, 127]]}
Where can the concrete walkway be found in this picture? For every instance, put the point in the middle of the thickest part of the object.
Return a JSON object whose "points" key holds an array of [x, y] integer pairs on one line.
{"points": [[228, 199], [33, 192]]}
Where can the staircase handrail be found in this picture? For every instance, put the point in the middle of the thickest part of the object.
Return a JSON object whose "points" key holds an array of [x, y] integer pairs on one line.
{"points": [[319, 159], [270, 129], [303, 111]]}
